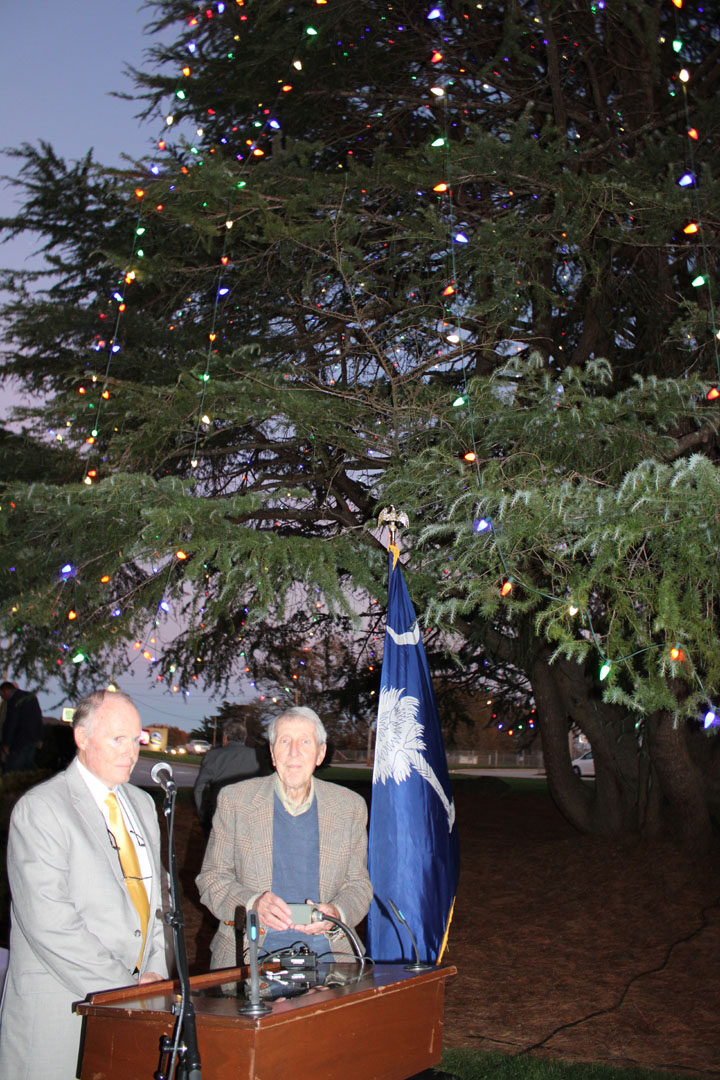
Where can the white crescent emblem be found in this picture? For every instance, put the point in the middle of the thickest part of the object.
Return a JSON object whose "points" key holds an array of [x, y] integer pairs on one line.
{"points": [[411, 637]]}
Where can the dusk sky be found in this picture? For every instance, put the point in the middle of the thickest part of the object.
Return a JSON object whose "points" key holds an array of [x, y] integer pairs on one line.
{"points": [[59, 63]]}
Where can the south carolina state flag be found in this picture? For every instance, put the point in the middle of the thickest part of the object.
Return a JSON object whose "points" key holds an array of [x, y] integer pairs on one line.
{"points": [[413, 849]]}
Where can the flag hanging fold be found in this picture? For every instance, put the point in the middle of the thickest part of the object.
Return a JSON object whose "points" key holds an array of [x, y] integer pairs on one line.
{"points": [[413, 848]]}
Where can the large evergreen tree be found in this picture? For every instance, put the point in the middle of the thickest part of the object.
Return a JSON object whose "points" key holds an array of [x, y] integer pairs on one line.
{"points": [[252, 341]]}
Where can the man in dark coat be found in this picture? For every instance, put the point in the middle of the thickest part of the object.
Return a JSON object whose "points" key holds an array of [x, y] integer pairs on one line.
{"points": [[22, 730], [223, 765]]}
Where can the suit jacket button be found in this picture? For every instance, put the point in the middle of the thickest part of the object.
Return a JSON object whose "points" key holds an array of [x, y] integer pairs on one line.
{"points": [[138, 933]]}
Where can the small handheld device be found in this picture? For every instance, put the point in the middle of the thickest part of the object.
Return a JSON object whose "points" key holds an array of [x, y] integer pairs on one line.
{"points": [[302, 914]]}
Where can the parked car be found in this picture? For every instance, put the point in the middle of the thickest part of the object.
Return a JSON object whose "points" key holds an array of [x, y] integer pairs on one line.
{"points": [[584, 766], [198, 746]]}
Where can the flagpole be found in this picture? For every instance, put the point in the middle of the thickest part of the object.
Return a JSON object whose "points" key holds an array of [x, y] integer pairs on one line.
{"points": [[390, 517], [413, 856]]}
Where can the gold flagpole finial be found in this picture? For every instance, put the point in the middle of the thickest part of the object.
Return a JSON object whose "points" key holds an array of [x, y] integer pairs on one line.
{"points": [[392, 518]]}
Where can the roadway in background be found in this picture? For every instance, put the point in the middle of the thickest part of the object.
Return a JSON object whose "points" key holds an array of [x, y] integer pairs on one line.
{"points": [[184, 775]]}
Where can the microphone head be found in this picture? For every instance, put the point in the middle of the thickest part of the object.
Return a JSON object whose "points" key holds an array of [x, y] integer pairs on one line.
{"points": [[159, 769], [396, 910]]}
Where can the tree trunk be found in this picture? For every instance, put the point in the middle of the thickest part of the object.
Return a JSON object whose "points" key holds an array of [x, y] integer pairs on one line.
{"points": [[623, 799], [639, 790], [572, 796], [686, 809]]}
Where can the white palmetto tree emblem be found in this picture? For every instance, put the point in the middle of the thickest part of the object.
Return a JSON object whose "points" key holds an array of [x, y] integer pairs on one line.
{"points": [[400, 742]]}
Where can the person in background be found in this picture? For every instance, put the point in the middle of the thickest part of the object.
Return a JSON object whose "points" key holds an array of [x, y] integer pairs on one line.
{"points": [[22, 728], [224, 765], [287, 838], [85, 877]]}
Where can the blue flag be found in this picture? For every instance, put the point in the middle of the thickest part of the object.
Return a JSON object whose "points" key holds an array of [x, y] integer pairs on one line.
{"points": [[413, 849]]}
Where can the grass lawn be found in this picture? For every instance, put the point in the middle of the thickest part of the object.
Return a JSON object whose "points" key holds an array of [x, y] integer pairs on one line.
{"points": [[468, 1065]]}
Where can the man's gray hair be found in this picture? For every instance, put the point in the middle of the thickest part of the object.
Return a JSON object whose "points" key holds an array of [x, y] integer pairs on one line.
{"points": [[85, 710], [235, 730], [298, 712]]}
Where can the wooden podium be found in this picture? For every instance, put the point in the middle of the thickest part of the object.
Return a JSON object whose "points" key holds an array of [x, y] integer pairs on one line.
{"points": [[386, 1026]]}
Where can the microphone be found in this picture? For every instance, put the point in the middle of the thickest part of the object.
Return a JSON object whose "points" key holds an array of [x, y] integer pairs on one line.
{"points": [[418, 965], [320, 916], [254, 1007], [162, 774]]}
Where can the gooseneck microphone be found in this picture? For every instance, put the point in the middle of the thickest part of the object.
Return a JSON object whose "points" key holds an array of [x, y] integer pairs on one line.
{"points": [[320, 916], [162, 774], [418, 964]]}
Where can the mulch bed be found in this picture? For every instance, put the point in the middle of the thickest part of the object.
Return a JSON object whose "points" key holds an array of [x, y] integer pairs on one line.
{"points": [[566, 946]]}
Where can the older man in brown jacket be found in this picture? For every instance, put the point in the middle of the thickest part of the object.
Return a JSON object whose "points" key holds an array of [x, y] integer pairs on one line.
{"points": [[284, 839]]}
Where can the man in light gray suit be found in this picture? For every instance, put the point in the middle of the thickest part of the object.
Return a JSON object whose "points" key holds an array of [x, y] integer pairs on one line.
{"points": [[85, 877], [287, 838]]}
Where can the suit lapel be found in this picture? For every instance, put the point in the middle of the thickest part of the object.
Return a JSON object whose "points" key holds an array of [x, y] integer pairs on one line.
{"points": [[92, 821], [263, 810], [140, 810], [325, 832]]}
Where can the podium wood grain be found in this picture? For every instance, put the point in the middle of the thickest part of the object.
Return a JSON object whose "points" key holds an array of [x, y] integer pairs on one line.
{"points": [[386, 1027]]}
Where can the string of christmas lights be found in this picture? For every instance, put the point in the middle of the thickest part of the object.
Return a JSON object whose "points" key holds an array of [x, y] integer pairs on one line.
{"points": [[464, 400], [456, 237]]}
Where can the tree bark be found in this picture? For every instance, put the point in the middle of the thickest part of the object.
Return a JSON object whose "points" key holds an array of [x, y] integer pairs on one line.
{"points": [[565, 697], [686, 808]]}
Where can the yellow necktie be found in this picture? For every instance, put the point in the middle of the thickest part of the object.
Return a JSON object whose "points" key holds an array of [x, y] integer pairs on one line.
{"points": [[130, 866]]}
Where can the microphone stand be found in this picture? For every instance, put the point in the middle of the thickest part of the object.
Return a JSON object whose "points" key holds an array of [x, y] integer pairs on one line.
{"points": [[254, 1007], [417, 964], [181, 1049]]}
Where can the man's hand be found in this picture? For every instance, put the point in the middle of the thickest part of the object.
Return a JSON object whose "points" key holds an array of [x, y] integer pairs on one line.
{"points": [[320, 927], [150, 976], [273, 912]]}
